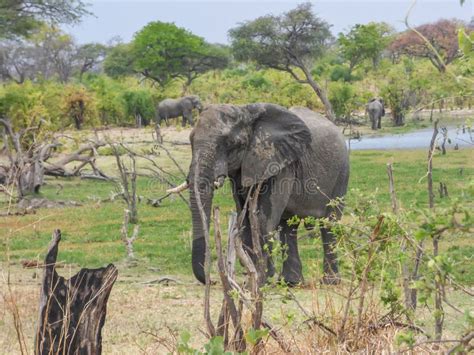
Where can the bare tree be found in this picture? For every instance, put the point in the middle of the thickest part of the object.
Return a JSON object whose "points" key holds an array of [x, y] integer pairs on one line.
{"points": [[26, 162], [127, 183], [128, 240]]}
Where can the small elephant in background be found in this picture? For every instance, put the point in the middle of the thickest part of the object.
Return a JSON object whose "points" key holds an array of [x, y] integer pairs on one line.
{"points": [[376, 111], [172, 108]]}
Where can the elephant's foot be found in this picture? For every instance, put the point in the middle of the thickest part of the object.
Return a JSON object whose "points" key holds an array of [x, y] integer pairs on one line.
{"points": [[292, 274], [331, 279], [292, 280]]}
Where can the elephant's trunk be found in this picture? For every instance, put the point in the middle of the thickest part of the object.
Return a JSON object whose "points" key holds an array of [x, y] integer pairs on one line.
{"points": [[201, 183]]}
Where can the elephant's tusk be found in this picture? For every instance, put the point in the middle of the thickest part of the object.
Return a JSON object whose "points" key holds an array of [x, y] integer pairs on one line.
{"points": [[219, 182], [179, 188]]}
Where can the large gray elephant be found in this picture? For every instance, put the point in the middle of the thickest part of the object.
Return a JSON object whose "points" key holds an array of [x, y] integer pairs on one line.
{"points": [[172, 108], [298, 155], [376, 110]]}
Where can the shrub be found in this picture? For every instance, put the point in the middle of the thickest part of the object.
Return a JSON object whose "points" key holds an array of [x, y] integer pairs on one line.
{"points": [[79, 106], [139, 105]]}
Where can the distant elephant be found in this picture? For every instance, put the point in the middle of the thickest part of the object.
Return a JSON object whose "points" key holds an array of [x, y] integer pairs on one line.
{"points": [[298, 155], [376, 111], [172, 108]]}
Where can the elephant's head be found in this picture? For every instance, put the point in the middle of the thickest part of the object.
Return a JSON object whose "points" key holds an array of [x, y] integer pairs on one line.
{"points": [[247, 143], [196, 102]]}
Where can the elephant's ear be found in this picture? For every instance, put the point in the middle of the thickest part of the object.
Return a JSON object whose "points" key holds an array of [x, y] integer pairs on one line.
{"points": [[279, 138]]}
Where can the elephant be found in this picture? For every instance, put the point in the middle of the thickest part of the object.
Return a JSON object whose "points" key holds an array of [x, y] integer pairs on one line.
{"points": [[376, 110], [298, 156], [172, 108]]}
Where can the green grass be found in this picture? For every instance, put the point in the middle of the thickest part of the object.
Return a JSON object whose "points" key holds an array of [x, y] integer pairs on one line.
{"points": [[91, 233]]}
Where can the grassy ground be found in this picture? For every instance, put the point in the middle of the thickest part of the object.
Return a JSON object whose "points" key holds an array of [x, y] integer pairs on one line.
{"points": [[91, 238]]}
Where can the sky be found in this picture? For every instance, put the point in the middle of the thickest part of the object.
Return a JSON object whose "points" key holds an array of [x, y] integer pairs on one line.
{"points": [[212, 19]]}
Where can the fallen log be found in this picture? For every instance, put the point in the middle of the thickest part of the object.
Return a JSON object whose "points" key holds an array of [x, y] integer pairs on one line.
{"points": [[72, 312]]}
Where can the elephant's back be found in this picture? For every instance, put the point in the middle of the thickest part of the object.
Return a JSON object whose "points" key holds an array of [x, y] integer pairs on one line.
{"points": [[374, 106], [167, 102], [328, 157], [169, 108], [322, 130]]}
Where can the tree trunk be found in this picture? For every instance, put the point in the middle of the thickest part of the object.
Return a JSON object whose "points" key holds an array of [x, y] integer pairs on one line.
{"points": [[72, 312], [138, 120], [321, 94], [398, 119]]}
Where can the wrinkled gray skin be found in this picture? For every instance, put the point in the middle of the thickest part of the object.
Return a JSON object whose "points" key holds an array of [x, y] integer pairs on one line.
{"points": [[172, 108], [300, 157], [376, 111]]}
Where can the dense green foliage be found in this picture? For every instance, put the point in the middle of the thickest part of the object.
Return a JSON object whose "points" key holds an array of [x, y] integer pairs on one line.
{"points": [[162, 52], [20, 17], [364, 42], [276, 50]]}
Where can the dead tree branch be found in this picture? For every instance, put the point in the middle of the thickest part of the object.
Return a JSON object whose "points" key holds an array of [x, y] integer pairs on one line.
{"points": [[128, 241], [127, 184]]}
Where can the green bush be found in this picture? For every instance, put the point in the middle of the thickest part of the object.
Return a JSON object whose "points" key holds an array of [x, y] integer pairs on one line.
{"points": [[139, 105], [343, 98]]}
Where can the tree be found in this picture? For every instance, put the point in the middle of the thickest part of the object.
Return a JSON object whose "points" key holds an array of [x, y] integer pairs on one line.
{"points": [[364, 42], [162, 52], [21, 17], [46, 54], [443, 43], [289, 42], [396, 93], [213, 56], [119, 61], [18, 61], [89, 56], [57, 53]]}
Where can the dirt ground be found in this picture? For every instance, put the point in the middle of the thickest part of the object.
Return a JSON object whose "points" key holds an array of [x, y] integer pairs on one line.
{"points": [[145, 316]]}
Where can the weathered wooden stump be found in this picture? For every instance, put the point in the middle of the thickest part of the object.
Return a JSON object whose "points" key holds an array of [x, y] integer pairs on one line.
{"points": [[72, 312]]}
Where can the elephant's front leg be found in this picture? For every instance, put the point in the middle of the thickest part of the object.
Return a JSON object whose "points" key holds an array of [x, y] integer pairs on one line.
{"points": [[331, 273], [292, 269], [187, 117]]}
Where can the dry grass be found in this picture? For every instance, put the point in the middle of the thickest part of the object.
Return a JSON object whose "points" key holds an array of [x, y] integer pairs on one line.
{"points": [[148, 318]]}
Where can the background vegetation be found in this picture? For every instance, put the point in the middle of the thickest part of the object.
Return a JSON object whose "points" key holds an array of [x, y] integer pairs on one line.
{"points": [[46, 71], [52, 86]]}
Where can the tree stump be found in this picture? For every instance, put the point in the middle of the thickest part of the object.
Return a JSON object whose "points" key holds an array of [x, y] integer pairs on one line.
{"points": [[72, 312]]}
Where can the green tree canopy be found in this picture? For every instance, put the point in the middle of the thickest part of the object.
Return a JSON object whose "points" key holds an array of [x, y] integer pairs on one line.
{"points": [[287, 42], [364, 42], [20, 17], [119, 61], [163, 52]]}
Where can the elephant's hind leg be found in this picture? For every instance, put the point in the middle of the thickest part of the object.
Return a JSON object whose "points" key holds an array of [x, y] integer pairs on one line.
{"points": [[292, 269]]}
